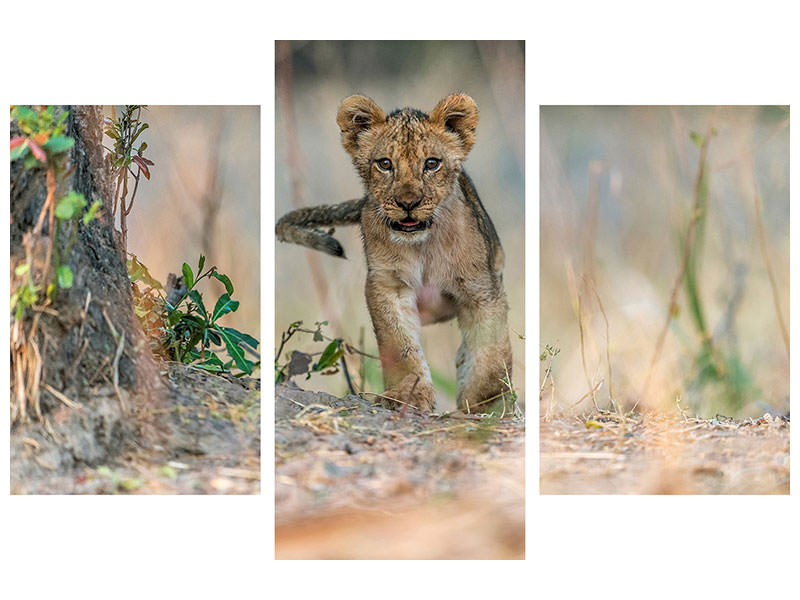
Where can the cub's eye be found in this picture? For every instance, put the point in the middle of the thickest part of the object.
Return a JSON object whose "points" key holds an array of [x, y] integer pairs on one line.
{"points": [[432, 164], [384, 164]]}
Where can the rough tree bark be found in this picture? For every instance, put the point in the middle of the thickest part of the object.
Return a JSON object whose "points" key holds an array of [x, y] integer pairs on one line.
{"points": [[76, 381]]}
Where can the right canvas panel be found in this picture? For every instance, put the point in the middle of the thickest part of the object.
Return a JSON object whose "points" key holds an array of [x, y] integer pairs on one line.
{"points": [[664, 300]]}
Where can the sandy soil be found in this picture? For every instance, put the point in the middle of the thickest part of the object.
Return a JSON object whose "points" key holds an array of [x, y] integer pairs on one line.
{"points": [[195, 433], [658, 454], [357, 480]]}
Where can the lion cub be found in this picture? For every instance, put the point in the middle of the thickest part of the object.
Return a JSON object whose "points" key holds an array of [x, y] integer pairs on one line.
{"points": [[432, 251]]}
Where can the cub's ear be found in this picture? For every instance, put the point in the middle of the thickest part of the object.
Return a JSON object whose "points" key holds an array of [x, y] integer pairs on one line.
{"points": [[356, 115], [458, 113]]}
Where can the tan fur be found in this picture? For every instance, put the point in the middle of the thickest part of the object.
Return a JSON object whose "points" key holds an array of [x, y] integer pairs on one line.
{"points": [[432, 251]]}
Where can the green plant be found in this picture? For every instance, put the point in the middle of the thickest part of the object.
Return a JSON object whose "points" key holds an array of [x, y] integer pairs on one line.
{"points": [[26, 294], [42, 140], [187, 330], [719, 371], [303, 363], [124, 132], [298, 363]]}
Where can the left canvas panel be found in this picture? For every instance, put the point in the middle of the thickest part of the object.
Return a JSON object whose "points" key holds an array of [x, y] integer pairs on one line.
{"points": [[135, 306]]}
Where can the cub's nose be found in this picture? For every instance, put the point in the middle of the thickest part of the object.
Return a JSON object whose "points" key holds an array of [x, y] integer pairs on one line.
{"points": [[408, 206]]}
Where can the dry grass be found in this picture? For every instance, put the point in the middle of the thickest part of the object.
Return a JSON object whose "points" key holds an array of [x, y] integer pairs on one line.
{"points": [[620, 198]]}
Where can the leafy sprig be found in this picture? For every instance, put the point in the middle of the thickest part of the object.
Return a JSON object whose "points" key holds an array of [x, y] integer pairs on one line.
{"points": [[191, 332], [122, 156], [43, 140], [43, 143]]}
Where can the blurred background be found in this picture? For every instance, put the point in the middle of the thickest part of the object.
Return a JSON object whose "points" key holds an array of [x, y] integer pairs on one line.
{"points": [[312, 168], [616, 197], [203, 197]]}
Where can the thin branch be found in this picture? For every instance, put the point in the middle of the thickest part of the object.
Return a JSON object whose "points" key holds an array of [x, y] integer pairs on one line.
{"points": [[347, 376]]}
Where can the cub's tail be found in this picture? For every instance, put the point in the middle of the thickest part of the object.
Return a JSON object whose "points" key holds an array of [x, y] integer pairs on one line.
{"points": [[299, 226]]}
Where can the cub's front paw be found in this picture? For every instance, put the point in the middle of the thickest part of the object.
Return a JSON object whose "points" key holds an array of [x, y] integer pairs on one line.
{"points": [[412, 390]]}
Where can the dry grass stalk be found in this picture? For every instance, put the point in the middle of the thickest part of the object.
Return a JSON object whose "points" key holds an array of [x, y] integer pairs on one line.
{"points": [[608, 348], [115, 368], [388, 398], [62, 397], [35, 379], [591, 392], [687, 251], [49, 206], [320, 418], [576, 303], [762, 240]]}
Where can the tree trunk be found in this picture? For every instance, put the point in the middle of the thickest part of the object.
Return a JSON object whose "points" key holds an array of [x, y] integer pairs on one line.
{"points": [[75, 362]]}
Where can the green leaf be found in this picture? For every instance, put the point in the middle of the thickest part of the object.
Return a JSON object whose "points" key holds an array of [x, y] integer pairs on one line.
{"points": [[138, 133], [226, 280], [212, 359], [30, 161], [22, 269], [188, 277], [131, 484], [198, 300], [19, 151], [192, 322], [696, 138], [167, 471], [224, 306], [200, 264], [210, 368], [64, 276], [65, 209], [92, 212], [249, 340], [330, 356], [174, 317], [235, 352], [70, 206], [58, 144], [24, 115]]}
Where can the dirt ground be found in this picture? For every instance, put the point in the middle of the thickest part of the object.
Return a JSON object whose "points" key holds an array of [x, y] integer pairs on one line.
{"points": [[357, 480], [193, 433], [660, 454]]}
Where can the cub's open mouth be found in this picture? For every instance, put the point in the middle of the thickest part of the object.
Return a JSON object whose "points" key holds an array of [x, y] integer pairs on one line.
{"points": [[409, 225]]}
